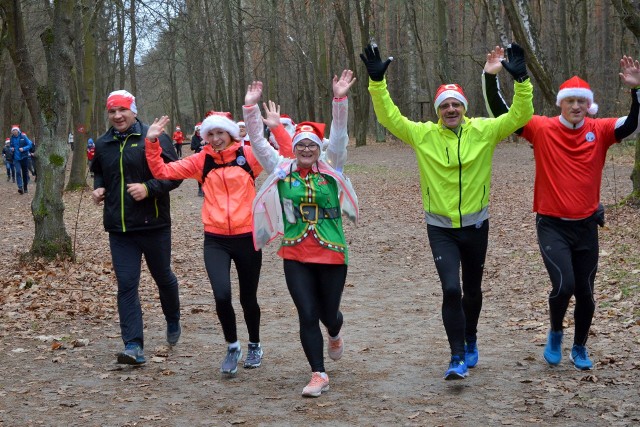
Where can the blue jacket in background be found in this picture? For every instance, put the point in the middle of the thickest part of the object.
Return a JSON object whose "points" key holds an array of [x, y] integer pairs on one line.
{"points": [[20, 141]]}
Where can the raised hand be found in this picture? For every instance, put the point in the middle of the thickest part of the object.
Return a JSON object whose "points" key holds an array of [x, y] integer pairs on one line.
{"points": [[342, 85], [494, 60], [630, 74], [254, 93], [517, 65], [375, 67], [157, 127], [272, 114]]}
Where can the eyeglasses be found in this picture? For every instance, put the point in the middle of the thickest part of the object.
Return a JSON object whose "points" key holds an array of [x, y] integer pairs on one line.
{"points": [[310, 147]]}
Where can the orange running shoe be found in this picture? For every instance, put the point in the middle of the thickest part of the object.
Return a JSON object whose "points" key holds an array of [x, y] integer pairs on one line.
{"points": [[319, 383], [335, 347]]}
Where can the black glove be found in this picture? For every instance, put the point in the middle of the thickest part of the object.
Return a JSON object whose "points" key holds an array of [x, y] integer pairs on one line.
{"points": [[375, 67], [517, 66]]}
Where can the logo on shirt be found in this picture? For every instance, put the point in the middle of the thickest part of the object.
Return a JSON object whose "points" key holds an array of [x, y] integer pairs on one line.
{"points": [[590, 137]]}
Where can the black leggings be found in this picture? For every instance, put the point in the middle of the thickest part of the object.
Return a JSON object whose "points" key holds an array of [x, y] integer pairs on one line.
{"points": [[452, 248], [570, 253], [218, 253], [316, 290]]}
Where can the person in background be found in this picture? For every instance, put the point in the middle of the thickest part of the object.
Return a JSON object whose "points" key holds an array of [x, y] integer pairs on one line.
{"points": [[178, 140], [227, 171], [7, 157], [243, 133], [570, 152], [455, 160], [303, 200], [91, 151], [289, 126], [20, 146], [137, 216], [33, 158], [196, 146]]}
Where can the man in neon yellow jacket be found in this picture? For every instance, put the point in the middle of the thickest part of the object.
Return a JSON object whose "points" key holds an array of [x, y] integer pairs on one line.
{"points": [[454, 158]]}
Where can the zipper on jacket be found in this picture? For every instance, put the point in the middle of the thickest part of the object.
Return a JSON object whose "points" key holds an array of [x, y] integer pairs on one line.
{"points": [[226, 190], [122, 145], [459, 177], [446, 150]]}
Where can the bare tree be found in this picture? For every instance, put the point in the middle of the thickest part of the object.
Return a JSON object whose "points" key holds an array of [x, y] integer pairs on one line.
{"points": [[629, 12], [49, 109]]}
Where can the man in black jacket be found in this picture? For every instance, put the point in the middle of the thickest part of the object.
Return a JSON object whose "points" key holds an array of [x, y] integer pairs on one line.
{"points": [[137, 218]]}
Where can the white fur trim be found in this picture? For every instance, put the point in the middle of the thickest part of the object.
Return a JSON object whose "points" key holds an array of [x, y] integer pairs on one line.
{"points": [[450, 94], [220, 122], [575, 91], [306, 135]]}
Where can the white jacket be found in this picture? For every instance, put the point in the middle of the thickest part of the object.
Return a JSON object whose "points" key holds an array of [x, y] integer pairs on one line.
{"points": [[267, 209]]}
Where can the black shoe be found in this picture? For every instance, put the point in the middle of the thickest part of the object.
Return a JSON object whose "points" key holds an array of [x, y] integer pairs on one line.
{"points": [[20, 190], [173, 332]]}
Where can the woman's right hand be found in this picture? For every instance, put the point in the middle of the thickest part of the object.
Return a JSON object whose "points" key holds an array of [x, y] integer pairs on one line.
{"points": [[254, 93], [272, 114], [156, 128]]}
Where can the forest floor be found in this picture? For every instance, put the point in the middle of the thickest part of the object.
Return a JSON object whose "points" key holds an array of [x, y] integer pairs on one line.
{"points": [[59, 325]]}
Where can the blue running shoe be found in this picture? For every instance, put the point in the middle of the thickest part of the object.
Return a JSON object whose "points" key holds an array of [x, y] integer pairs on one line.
{"points": [[471, 354], [580, 358], [132, 354], [230, 362], [173, 332], [457, 369], [553, 351]]}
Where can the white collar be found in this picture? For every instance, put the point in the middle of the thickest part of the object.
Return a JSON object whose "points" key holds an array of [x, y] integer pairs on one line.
{"points": [[569, 124]]}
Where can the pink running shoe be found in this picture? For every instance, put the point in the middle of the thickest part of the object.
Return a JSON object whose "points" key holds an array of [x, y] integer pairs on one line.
{"points": [[319, 383], [335, 347]]}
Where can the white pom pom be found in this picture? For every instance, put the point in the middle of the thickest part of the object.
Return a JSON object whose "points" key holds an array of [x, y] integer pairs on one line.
{"points": [[593, 108]]}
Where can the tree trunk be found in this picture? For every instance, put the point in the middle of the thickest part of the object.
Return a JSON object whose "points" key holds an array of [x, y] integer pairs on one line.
{"points": [[359, 94], [525, 34], [120, 30], [131, 61], [83, 90], [631, 19], [50, 112]]}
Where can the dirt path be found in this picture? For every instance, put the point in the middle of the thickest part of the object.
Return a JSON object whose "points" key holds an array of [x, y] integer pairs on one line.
{"points": [[396, 348]]}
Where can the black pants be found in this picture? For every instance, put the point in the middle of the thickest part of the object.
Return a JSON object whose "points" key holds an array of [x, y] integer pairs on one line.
{"points": [[570, 253], [218, 253], [126, 254], [453, 248], [316, 290]]}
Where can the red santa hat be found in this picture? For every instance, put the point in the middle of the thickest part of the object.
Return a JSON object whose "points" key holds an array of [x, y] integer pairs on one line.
{"points": [[309, 130], [122, 98], [7, 141], [577, 87], [178, 127], [451, 90], [197, 127], [15, 127], [220, 120], [241, 123]]}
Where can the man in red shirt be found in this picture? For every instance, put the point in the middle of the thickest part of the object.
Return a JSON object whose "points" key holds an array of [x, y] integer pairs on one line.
{"points": [[570, 151], [178, 140]]}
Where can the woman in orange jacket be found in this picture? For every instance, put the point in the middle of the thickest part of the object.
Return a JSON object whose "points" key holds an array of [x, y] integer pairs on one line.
{"points": [[227, 172]]}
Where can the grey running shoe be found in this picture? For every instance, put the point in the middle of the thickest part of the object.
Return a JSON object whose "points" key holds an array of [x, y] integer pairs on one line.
{"points": [[230, 362], [132, 354], [254, 356], [335, 347]]}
